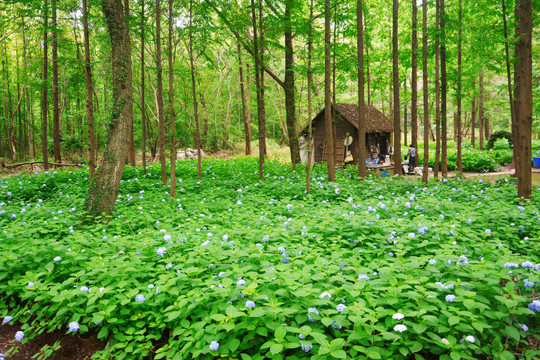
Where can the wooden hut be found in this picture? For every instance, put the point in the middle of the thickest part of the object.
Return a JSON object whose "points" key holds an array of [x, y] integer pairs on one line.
{"points": [[379, 131]]}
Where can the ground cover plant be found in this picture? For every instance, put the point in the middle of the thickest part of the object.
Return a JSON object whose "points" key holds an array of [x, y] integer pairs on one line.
{"points": [[384, 269]]}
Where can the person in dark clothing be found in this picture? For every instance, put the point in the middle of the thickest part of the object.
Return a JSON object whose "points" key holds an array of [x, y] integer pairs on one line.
{"points": [[412, 154]]}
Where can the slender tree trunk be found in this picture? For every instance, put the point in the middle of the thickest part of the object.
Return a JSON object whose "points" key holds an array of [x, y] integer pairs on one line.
{"points": [[425, 89], [444, 114], [245, 118], [56, 107], [330, 158], [160, 105], [457, 124], [131, 151], [103, 190], [29, 124], [89, 102], [194, 89], [143, 100], [509, 79], [473, 122], [523, 96], [361, 100], [414, 77], [45, 90], [481, 111], [366, 39], [171, 103], [405, 115], [310, 110], [437, 95], [395, 76], [290, 103]]}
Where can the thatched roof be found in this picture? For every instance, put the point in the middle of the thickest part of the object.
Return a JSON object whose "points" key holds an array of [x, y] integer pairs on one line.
{"points": [[376, 121]]}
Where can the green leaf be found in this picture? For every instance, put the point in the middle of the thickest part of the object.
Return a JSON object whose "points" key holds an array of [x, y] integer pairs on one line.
{"points": [[453, 320], [276, 349], [339, 354], [416, 347], [374, 352], [455, 355], [327, 321], [469, 303], [49, 267], [233, 344], [280, 333], [257, 312], [512, 332], [218, 317]]}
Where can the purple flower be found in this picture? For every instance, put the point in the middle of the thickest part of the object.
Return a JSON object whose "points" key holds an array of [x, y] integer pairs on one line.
{"points": [[314, 311], [214, 345], [19, 336], [450, 298], [250, 304], [73, 326]]}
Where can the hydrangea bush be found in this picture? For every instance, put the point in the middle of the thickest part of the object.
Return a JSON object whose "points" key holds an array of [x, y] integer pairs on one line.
{"points": [[236, 267]]}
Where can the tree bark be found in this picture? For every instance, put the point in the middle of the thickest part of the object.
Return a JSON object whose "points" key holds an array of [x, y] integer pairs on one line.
{"points": [[160, 105], [459, 163], [103, 190], [245, 118], [523, 96], [425, 84], [29, 125], [290, 104], [194, 89], [509, 80], [330, 158], [481, 111], [143, 100], [366, 39], [473, 121], [405, 115], [89, 99], [45, 90], [361, 92], [414, 77], [437, 95], [171, 103], [56, 100], [395, 77], [310, 109], [444, 114]]}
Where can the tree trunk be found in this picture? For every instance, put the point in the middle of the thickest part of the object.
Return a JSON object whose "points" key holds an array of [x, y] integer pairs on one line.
{"points": [[395, 77], [509, 79], [89, 102], [290, 87], [444, 114], [457, 124], [56, 100], [259, 76], [45, 91], [29, 124], [245, 118], [473, 122], [425, 89], [143, 100], [405, 115], [194, 89], [131, 151], [361, 100], [103, 190], [330, 158], [160, 105], [310, 110], [171, 103], [367, 64], [481, 111], [437, 95], [523, 96], [414, 77]]}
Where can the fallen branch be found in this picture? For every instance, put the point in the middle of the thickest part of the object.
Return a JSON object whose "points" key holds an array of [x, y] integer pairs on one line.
{"points": [[34, 162]]}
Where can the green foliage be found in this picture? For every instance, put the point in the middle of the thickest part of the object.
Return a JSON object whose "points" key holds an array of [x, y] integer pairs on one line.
{"points": [[494, 140], [290, 249]]}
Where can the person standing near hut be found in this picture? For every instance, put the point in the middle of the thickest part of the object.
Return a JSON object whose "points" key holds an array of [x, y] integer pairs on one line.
{"points": [[412, 154]]}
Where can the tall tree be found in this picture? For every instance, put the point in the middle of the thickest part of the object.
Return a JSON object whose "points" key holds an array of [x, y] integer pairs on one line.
{"points": [[361, 99], [414, 76], [103, 190], [509, 80], [309, 85], [444, 115], [143, 102], [29, 125], [131, 150], [473, 121], [56, 100], [395, 77], [171, 102], [330, 159], [481, 110], [45, 88], [89, 94], [437, 94], [160, 105], [194, 89], [245, 118], [459, 163], [425, 89], [523, 96]]}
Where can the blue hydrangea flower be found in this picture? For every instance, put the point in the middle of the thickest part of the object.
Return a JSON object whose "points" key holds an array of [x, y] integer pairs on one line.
{"points": [[528, 283], [336, 326], [167, 237], [302, 336], [57, 258], [161, 251], [411, 235], [535, 306], [19, 336], [432, 261], [488, 231], [314, 311], [527, 265], [524, 327], [325, 294], [341, 307], [250, 304], [363, 276], [139, 298], [307, 347], [73, 326], [214, 345], [241, 282], [265, 238], [511, 265], [450, 298], [7, 319]]}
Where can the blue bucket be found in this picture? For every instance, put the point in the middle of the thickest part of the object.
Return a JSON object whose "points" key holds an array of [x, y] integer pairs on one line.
{"points": [[536, 162]]}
